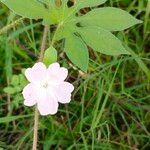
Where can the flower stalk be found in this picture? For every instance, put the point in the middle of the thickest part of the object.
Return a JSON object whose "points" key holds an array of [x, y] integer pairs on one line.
{"points": [[36, 113]]}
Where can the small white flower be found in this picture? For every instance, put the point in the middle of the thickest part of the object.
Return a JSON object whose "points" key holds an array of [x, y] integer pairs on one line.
{"points": [[47, 87]]}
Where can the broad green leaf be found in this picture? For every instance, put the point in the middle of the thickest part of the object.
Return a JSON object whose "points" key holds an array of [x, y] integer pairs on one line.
{"points": [[102, 41], [77, 51], [27, 8], [109, 18], [50, 56], [88, 3]]}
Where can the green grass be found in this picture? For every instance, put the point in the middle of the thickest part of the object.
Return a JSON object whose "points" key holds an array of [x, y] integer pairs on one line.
{"points": [[110, 107]]}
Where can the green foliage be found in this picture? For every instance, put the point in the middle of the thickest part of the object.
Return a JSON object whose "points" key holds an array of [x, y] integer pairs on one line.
{"points": [[50, 56], [12, 118], [108, 110], [28, 8], [77, 51], [102, 41], [16, 85], [18, 82], [109, 18]]}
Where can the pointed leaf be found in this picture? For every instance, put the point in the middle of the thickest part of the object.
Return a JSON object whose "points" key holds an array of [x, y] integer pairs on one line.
{"points": [[109, 18], [77, 51], [102, 41], [50, 56]]}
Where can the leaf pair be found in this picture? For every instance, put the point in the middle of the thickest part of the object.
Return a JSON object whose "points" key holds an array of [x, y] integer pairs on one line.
{"points": [[92, 29]]}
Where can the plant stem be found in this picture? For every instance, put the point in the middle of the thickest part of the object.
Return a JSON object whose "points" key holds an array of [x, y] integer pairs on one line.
{"points": [[35, 134], [54, 36], [36, 114], [43, 45]]}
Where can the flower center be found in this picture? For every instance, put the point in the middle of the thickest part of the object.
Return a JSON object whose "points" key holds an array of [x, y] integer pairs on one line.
{"points": [[45, 85]]}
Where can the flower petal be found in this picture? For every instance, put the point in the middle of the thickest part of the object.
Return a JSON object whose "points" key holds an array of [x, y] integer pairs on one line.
{"points": [[57, 73], [37, 73], [47, 106], [29, 95], [54, 67], [63, 72], [63, 92]]}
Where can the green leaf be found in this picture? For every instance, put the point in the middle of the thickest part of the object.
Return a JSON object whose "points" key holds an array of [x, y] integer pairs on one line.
{"points": [[15, 80], [50, 56], [88, 3], [22, 80], [102, 41], [109, 18], [10, 90], [77, 51], [27, 8]]}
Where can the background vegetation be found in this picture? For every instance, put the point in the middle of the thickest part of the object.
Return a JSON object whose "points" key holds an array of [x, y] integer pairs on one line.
{"points": [[110, 107]]}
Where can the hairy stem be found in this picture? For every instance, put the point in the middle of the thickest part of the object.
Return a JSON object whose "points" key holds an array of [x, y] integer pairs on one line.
{"points": [[43, 45], [35, 133], [36, 114], [54, 36]]}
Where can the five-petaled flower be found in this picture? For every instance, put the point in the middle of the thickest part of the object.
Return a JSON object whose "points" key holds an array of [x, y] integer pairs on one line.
{"points": [[47, 87]]}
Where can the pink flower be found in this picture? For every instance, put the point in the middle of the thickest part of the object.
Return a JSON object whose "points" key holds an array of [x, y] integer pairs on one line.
{"points": [[47, 87]]}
